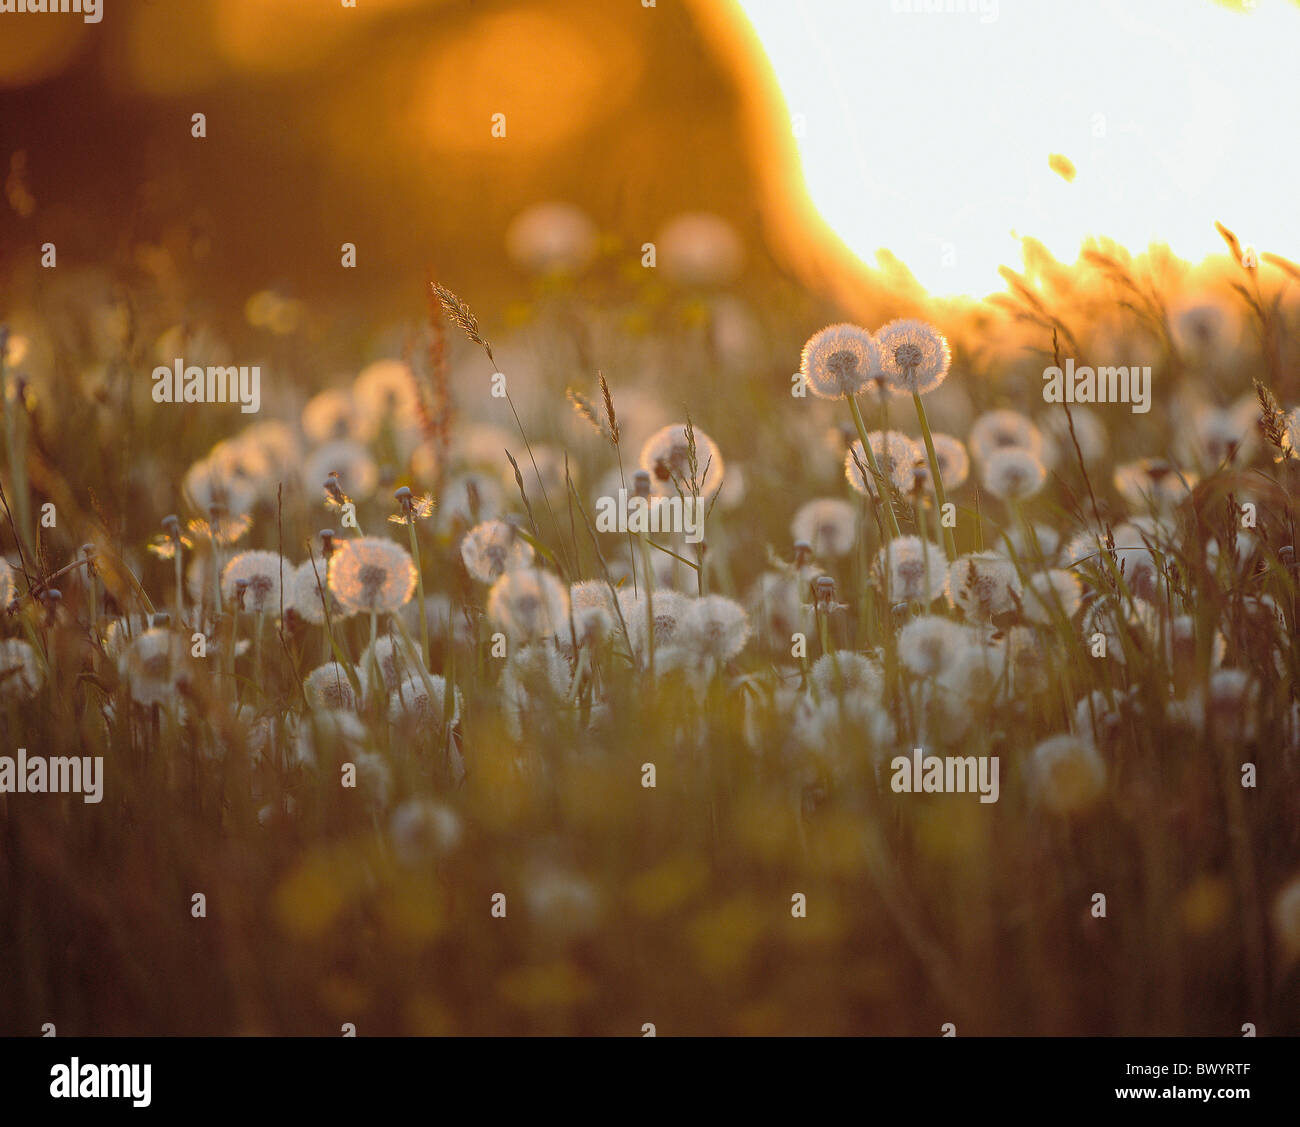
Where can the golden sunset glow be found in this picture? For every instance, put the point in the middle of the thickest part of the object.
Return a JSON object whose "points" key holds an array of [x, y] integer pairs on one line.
{"points": [[936, 135]]}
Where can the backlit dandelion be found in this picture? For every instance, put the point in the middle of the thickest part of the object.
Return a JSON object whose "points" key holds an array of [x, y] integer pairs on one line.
{"points": [[1013, 474], [845, 673], [416, 704], [1051, 594], [915, 569], [930, 644], [828, 524], [529, 605], [1003, 429], [982, 585], [667, 457], [895, 454], [914, 356], [307, 593], [954, 463], [840, 361], [492, 548], [260, 572], [151, 665], [1066, 774], [327, 686], [357, 473], [715, 627], [370, 575]]}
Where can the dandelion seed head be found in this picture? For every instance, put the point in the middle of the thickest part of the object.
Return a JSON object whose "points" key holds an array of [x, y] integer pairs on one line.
{"points": [[828, 524], [983, 584], [421, 827], [529, 605], [1067, 776], [327, 687], [151, 665], [915, 569], [260, 572], [1002, 429], [714, 626], [929, 644], [1051, 593], [370, 575], [1153, 484], [492, 548], [358, 474], [840, 361], [846, 673], [666, 458], [412, 704], [1013, 473], [552, 237], [388, 656], [954, 463], [896, 455], [914, 356], [331, 415]]}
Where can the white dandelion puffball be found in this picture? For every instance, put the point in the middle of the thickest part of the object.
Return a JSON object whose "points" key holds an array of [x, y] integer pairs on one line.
{"points": [[260, 572], [896, 455], [846, 673], [327, 687], [914, 356], [529, 605], [699, 249], [714, 626], [307, 593], [421, 827], [331, 415], [151, 666], [551, 237], [21, 672], [535, 679], [930, 644], [385, 391], [388, 657], [1058, 445], [1066, 774], [840, 361], [954, 462], [328, 734], [208, 484], [492, 548], [666, 456], [1000, 429], [412, 704], [983, 584], [667, 607], [1014, 473], [370, 575], [828, 524], [358, 475], [1051, 593], [914, 569]]}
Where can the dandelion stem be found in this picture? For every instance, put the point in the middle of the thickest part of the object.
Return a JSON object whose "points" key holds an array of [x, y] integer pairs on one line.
{"points": [[419, 585], [949, 541], [882, 484]]}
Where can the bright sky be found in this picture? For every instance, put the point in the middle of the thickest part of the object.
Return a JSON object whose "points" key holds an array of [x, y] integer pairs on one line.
{"points": [[929, 133]]}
